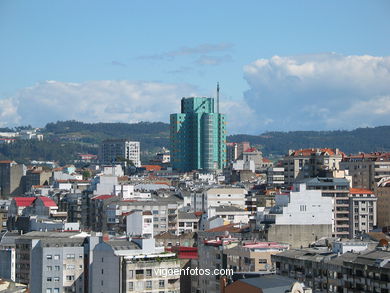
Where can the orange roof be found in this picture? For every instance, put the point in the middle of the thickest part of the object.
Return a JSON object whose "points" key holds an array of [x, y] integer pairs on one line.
{"points": [[360, 191], [152, 167], [6, 162]]}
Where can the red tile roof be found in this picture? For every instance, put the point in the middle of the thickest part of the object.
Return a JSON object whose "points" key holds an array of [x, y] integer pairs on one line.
{"points": [[312, 151], [47, 201], [102, 196], [360, 191], [23, 201]]}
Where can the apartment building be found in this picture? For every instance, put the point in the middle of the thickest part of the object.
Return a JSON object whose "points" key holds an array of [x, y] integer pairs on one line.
{"points": [[57, 265], [25, 245], [383, 204], [324, 271], [298, 218], [337, 189], [362, 211], [11, 178], [227, 196], [307, 163], [252, 256], [367, 170], [275, 176], [133, 266], [115, 150]]}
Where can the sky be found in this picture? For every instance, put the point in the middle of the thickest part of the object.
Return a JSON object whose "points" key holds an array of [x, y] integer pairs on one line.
{"points": [[282, 65]]}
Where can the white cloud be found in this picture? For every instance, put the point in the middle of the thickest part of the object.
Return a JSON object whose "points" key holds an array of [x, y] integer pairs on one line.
{"points": [[93, 101], [322, 91]]}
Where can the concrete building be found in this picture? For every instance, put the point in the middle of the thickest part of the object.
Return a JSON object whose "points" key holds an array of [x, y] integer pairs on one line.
{"points": [[324, 271], [37, 176], [252, 256], [187, 223], [307, 163], [367, 170], [117, 150], [198, 136], [275, 176], [25, 245], [383, 204], [133, 266], [11, 175], [338, 190], [299, 218], [362, 211], [57, 265], [227, 196], [231, 152], [229, 214], [139, 223]]}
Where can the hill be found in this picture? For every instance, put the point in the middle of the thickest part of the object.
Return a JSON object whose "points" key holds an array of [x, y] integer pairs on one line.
{"points": [[63, 140], [354, 141]]}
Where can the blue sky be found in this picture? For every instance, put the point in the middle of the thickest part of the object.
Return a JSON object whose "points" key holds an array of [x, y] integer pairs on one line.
{"points": [[282, 65]]}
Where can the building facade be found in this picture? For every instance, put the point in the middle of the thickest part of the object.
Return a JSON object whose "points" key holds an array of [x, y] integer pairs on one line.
{"points": [[114, 150], [198, 136]]}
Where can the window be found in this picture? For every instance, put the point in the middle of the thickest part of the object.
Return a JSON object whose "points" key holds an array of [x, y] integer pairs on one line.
{"points": [[56, 279], [49, 268], [70, 278], [161, 284], [130, 274], [56, 290], [48, 279], [48, 290], [49, 256], [131, 286], [70, 256], [148, 273], [57, 257], [70, 267], [230, 217], [262, 260], [57, 268], [148, 284]]}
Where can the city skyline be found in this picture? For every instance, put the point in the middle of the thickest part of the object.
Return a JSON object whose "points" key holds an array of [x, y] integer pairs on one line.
{"points": [[320, 66]]}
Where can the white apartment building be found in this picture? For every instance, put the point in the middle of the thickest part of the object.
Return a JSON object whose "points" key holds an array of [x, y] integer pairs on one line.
{"points": [[133, 266], [362, 211], [139, 223], [212, 197], [114, 150]]}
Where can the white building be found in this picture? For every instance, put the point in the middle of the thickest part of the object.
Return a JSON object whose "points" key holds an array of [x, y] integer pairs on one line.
{"points": [[230, 214], [139, 223], [218, 196], [133, 266], [120, 149], [301, 207]]}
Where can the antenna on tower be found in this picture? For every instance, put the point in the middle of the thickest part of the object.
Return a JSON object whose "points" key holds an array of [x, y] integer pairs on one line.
{"points": [[217, 97]]}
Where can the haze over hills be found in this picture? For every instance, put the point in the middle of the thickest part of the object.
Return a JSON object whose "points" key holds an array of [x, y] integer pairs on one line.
{"points": [[64, 139]]}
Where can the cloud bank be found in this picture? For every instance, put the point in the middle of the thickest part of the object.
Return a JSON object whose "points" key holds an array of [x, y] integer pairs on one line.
{"points": [[308, 92], [321, 91], [94, 101]]}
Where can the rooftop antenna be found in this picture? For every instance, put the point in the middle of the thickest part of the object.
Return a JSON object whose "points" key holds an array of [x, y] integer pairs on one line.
{"points": [[217, 97]]}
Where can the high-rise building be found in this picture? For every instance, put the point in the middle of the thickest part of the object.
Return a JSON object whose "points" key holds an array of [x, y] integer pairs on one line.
{"points": [[11, 176], [115, 150], [198, 136]]}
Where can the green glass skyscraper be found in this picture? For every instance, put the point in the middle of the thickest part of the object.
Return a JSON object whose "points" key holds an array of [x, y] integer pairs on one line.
{"points": [[198, 136]]}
